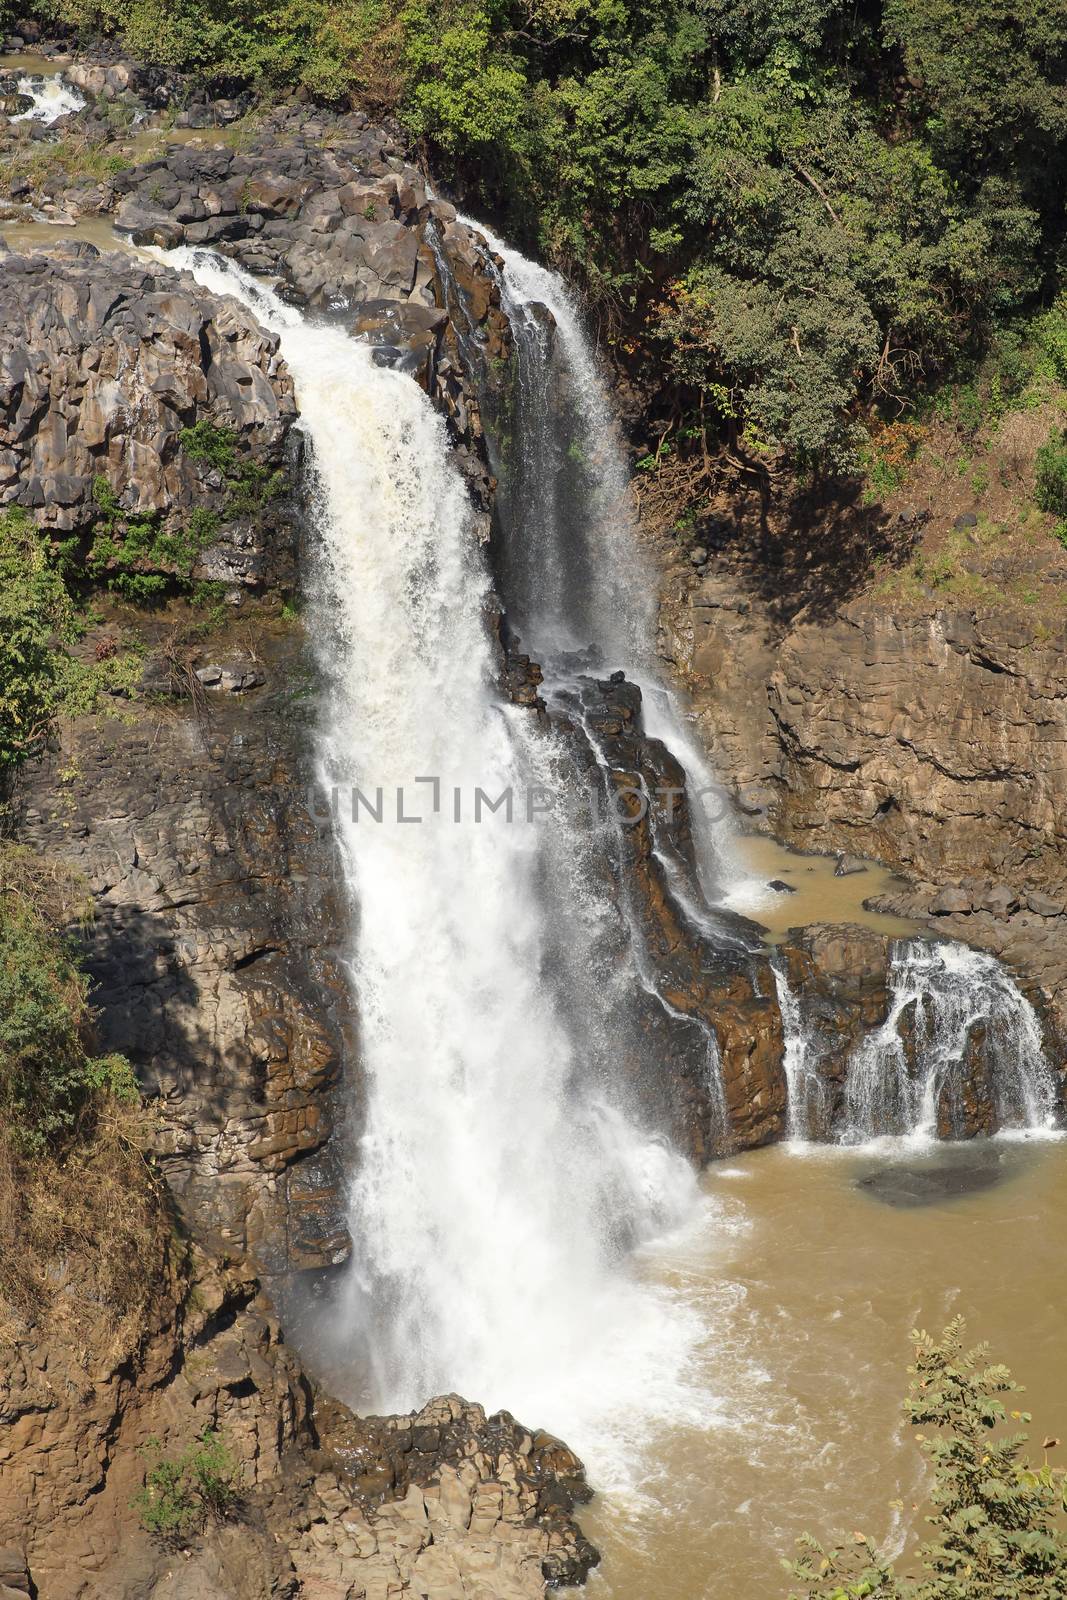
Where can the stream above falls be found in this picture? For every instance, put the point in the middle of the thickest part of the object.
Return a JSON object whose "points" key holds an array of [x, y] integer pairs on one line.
{"points": [[808, 1272]]}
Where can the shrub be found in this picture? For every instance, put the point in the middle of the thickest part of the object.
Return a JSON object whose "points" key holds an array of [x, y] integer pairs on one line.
{"points": [[37, 617], [50, 1077], [1050, 487], [137, 556], [998, 1522], [181, 1492]]}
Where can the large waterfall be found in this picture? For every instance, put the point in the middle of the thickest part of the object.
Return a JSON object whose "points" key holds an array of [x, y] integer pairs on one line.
{"points": [[500, 1184]]}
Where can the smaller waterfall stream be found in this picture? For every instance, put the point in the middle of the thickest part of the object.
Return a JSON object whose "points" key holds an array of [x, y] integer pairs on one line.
{"points": [[806, 1092], [575, 577], [968, 1021]]}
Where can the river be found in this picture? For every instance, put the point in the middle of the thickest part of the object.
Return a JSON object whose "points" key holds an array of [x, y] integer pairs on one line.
{"points": [[808, 1283]]}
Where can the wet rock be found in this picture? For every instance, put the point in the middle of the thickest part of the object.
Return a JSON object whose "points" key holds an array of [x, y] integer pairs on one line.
{"points": [[849, 866], [780, 886], [952, 901], [708, 1012]]}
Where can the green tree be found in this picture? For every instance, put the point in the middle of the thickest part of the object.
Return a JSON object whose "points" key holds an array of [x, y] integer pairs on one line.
{"points": [[51, 1078], [37, 619], [998, 1522]]}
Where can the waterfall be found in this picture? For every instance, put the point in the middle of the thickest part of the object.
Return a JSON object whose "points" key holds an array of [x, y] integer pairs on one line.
{"points": [[574, 575], [951, 1009], [806, 1092], [499, 1181], [52, 98]]}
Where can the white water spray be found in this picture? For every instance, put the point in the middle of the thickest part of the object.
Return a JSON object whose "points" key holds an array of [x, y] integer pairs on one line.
{"points": [[499, 1184], [587, 583], [52, 98], [958, 999]]}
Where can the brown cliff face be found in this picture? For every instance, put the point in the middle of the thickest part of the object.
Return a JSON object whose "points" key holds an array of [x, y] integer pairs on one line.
{"points": [[220, 934], [934, 742], [217, 944]]}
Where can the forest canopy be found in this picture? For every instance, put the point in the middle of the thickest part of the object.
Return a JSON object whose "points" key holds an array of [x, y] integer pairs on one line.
{"points": [[808, 208]]}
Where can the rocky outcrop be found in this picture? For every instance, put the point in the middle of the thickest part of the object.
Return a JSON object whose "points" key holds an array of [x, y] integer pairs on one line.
{"points": [[703, 1056], [444, 1503], [104, 366], [204, 1354], [935, 742]]}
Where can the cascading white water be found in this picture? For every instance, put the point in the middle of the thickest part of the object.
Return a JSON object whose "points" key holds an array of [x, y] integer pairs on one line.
{"points": [[805, 1089], [894, 1087], [52, 98], [498, 1182], [584, 581]]}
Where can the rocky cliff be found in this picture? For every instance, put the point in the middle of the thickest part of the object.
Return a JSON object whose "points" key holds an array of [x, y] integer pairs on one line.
{"points": [[927, 735], [150, 426]]}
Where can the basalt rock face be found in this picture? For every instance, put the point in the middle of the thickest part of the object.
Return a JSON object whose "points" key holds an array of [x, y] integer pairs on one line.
{"points": [[206, 1354], [350, 230], [705, 1059], [217, 943], [104, 364], [936, 743], [214, 946]]}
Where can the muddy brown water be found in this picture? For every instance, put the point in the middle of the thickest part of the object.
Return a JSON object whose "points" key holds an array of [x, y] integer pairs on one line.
{"points": [[27, 236], [809, 1270], [25, 62], [818, 895]]}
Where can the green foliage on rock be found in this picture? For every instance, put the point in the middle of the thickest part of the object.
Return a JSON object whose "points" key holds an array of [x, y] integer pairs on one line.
{"points": [[40, 680], [51, 1079], [998, 1522], [137, 555], [181, 1492], [37, 619], [1050, 485]]}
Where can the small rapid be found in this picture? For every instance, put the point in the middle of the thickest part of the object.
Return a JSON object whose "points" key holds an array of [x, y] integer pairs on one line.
{"points": [[51, 98], [960, 1049], [958, 1028]]}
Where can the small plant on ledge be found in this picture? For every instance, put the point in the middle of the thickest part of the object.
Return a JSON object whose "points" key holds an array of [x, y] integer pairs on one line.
{"points": [[182, 1493]]}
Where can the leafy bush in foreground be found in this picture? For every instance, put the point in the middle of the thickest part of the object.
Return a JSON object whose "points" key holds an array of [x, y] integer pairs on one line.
{"points": [[998, 1522]]}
